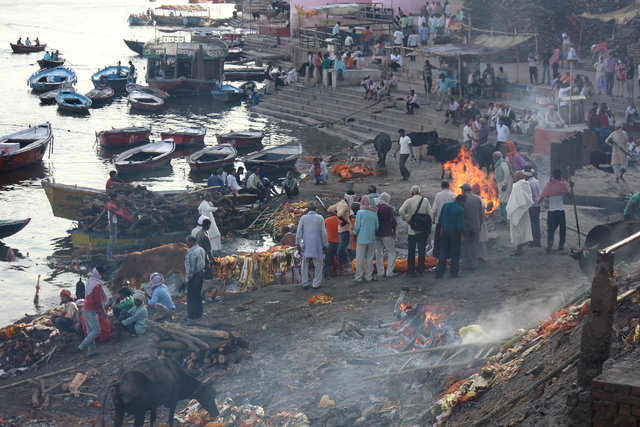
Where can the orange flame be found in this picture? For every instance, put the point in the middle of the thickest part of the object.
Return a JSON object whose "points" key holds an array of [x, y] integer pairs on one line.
{"points": [[463, 170]]}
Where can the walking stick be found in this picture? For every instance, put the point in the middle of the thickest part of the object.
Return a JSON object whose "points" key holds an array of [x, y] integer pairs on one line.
{"points": [[575, 207]]}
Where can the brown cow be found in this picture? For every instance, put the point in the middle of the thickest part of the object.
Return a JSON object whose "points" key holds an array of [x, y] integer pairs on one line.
{"points": [[136, 267]]}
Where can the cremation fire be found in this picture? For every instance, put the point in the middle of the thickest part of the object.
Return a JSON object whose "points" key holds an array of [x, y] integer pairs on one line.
{"points": [[463, 169], [422, 326]]}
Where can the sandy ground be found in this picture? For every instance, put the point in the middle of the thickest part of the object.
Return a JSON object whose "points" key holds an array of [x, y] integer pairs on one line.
{"points": [[294, 358]]}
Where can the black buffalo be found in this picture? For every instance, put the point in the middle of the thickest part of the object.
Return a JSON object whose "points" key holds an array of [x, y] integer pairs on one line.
{"points": [[423, 138], [382, 144], [483, 155], [603, 235], [444, 152], [152, 384]]}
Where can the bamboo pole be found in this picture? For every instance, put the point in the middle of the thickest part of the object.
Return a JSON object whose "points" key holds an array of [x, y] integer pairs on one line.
{"points": [[439, 348], [417, 370], [49, 374]]}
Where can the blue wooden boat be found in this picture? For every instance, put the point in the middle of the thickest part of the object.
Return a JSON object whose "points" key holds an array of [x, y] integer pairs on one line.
{"points": [[227, 93], [52, 78], [73, 102], [115, 77]]}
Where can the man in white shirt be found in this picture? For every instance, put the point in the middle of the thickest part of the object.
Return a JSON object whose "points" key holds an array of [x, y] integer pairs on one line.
{"points": [[451, 111], [395, 60], [398, 36], [563, 95], [405, 149], [336, 29], [467, 134], [348, 42], [502, 133], [442, 197], [412, 42], [232, 183]]}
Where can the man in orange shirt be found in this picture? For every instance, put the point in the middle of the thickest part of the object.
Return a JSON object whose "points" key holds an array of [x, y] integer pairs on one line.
{"points": [[331, 224]]}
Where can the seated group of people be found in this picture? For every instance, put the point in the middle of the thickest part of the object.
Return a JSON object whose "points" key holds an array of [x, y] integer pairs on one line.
{"points": [[130, 309], [378, 90], [477, 82], [232, 182], [27, 42]]}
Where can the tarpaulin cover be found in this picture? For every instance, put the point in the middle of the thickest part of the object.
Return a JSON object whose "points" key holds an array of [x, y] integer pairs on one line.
{"points": [[483, 45], [621, 16], [183, 8]]}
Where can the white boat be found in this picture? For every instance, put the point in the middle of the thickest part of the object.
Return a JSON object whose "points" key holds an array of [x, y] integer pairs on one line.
{"points": [[145, 156], [212, 157], [276, 157]]}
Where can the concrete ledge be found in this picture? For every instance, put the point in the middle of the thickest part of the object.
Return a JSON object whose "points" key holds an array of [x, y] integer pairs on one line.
{"points": [[354, 77]]}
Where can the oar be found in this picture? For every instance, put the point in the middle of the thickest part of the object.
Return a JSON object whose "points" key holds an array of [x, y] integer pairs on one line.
{"points": [[575, 206]]}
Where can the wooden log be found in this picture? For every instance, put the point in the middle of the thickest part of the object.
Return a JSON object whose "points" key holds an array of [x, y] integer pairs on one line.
{"points": [[170, 345], [434, 349], [177, 333], [418, 370], [35, 399], [49, 374], [190, 345]]}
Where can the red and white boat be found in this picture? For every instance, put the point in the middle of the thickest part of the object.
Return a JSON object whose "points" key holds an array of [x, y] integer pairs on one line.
{"points": [[145, 157], [210, 158], [25, 147], [122, 137], [248, 138], [186, 136]]}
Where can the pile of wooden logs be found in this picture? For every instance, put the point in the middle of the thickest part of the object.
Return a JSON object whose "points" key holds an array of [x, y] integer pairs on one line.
{"points": [[199, 348], [155, 213]]}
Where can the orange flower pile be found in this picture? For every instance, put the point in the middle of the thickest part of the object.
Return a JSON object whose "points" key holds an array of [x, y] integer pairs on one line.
{"points": [[320, 299]]}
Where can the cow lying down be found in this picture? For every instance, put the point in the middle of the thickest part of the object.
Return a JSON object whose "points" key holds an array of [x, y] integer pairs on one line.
{"points": [[155, 383]]}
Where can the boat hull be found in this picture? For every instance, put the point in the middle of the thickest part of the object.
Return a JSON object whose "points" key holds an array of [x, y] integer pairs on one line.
{"points": [[198, 165], [183, 140], [10, 228], [135, 21], [146, 106], [118, 85], [20, 48], [99, 242], [124, 138], [157, 155], [28, 157], [227, 96], [137, 47], [183, 86], [122, 168], [240, 141], [47, 63]]}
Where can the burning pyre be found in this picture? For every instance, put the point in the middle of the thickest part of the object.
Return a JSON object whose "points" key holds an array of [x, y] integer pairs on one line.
{"points": [[464, 170]]}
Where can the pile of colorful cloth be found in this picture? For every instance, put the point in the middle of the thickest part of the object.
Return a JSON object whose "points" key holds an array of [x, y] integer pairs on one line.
{"points": [[245, 415], [347, 172], [503, 366], [252, 271]]}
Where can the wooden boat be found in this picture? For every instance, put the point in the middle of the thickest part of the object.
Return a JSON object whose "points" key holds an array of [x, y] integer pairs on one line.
{"points": [[48, 63], [73, 102], [101, 96], [123, 137], [115, 78], [52, 78], [139, 20], [50, 97], [20, 48], [145, 101], [133, 87], [234, 53], [212, 157], [145, 157], [185, 68], [243, 74], [68, 201], [227, 93], [9, 228], [99, 242], [185, 136], [247, 138], [276, 157], [134, 45], [25, 147]]}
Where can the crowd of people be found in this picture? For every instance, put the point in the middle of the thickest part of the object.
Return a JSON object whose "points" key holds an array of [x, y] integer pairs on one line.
{"points": [[28, 42]]}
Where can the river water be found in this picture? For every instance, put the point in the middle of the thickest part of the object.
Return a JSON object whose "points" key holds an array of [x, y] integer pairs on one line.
{"points": [[89, 33]]}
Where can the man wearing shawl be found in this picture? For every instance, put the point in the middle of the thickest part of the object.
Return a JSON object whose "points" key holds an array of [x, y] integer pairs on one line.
{"points": [[365, 229], [160, 305], [194, 264], [555, 190], [513, 157], [342, 210], [503, 181], [113, 214], [207, 209], [618, 140], [518, 213], [311, 238], [386, 237], [94, 301]]}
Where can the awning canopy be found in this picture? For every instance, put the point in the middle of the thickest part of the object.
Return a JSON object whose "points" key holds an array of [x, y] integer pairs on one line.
{"points": [[621, 16], [340, 9], [183, 8], [482, 45]]}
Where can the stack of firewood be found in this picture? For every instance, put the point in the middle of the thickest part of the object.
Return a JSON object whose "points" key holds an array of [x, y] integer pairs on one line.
{"points": [[154, 213], [199, 348]]}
